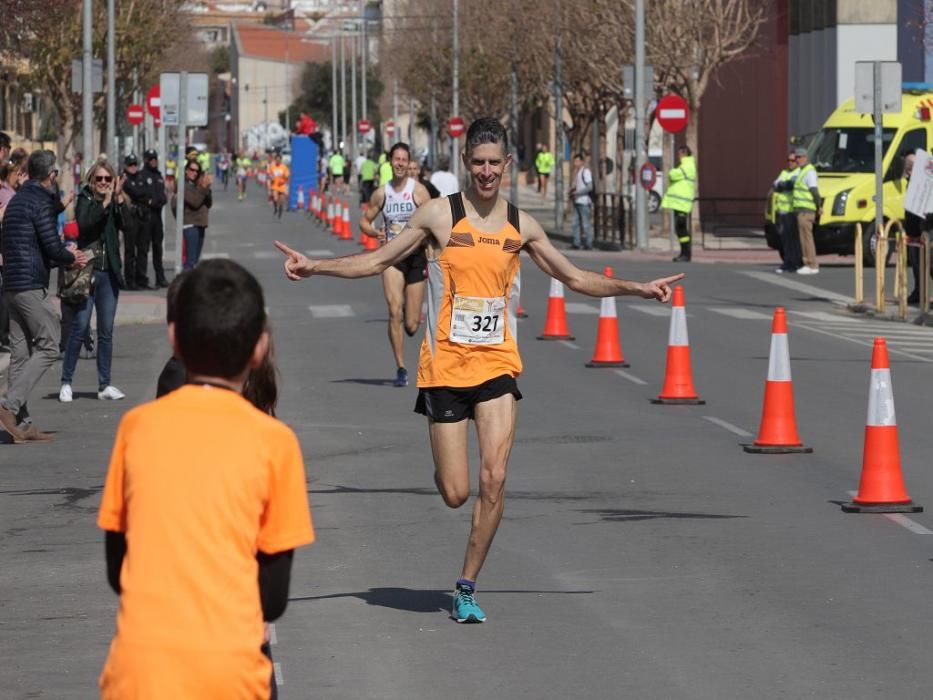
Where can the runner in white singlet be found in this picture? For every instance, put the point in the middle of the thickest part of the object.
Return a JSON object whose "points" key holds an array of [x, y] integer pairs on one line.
{"points": [[404, 281]]}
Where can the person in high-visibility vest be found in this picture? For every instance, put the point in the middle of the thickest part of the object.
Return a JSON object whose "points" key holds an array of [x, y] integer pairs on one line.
{"points": [[807, 206], [785, 217], [335, 167], [544, 164], [385, 170], [243, 166], [678, 197]]}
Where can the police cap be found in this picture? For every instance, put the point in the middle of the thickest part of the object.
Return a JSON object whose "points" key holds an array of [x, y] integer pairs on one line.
{"points": [[130, 160], [149, 154]]}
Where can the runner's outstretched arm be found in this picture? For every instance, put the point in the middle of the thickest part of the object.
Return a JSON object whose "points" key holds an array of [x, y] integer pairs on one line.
{"points": [[555, 264], [367, 264]]}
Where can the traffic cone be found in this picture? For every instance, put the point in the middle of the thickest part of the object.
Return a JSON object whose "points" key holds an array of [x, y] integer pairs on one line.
{"points": [[881, 489], [555, 325], [337, 223], [329, 215], [301, 197], [520, 312], [608, 352], [345, 233], [778, 431], [678, 378], [369, 242]]}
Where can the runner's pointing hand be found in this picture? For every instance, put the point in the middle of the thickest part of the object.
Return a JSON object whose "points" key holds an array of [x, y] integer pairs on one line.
{"points": [[297, 266], [659, 289]]}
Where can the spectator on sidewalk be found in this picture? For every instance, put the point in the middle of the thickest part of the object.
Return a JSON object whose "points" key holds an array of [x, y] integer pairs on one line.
{"points": [[12, 176], [198, 202], [444, 180], [678, 197], [785, 217], [914, 226], [223, 567], [30, 245], [808, 207], [99, 215], [582, 192], [544, 164]]}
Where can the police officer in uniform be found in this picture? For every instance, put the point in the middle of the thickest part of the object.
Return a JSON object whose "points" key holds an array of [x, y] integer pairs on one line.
{"points": [[133, 214], [679, 195], [150, 229]]}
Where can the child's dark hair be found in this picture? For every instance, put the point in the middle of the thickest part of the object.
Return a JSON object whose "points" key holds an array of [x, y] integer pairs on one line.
{"points": [[219, 316], [171, 297], [261, 387]]}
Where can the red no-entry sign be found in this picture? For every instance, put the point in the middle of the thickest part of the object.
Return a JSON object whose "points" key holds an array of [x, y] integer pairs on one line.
{"points": [[364, 126], [648, 176], [153, 103], [135, 114], [673, 113], [456, 127], [390, 127]]}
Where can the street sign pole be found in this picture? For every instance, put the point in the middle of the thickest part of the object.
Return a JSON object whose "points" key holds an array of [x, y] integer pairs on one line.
{"points": [[641, 211], [180, 165], [87, 91], [163, 157], [111, 85], [879, 143]]}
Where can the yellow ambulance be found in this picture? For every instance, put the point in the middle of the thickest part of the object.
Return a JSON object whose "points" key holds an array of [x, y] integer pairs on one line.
{"points": [[843, 153]]}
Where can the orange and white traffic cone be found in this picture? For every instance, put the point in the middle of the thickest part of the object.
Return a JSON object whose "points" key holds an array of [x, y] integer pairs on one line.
{"points": [[301, 197], [337, 223], [555, 325], [369, 242], [520, 312], [608, 352], [329, 214], [678, 378], [778, 431], [881, 489], [345, 233]]}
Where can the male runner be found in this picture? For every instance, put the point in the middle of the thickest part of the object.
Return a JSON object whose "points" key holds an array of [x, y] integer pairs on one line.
{"points": [[243, 165], [469, 358], [278, 184], [403, 281]]}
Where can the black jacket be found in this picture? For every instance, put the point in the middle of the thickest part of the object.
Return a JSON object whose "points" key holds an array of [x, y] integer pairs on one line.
{"points": [[154, 189], [95, 223], [30, 239]]}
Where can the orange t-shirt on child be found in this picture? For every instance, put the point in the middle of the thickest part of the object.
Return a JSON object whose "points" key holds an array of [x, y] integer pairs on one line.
{"points": [[199, 482]]}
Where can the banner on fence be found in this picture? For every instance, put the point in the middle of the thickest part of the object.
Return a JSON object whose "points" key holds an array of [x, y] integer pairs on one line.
{"points": [[919, 197]]}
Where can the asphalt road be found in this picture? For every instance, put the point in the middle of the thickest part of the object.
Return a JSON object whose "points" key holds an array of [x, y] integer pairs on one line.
{"points": [[642, 555]]}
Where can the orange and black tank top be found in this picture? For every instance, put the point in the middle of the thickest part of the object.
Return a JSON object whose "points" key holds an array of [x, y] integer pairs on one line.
{"points": [[473, 290]]}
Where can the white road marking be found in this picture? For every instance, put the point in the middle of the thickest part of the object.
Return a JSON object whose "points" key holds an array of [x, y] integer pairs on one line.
{"points": [[631, 377], [728, 426], [273, 638], [864, 343], [902, 520], [319, 253], [267, 254], [214, 256], [740, 313], [277, 669], [783, 281], [826, 316], [576, 307], [652, 309], [567, 343], [331, 311], [893, 331]]}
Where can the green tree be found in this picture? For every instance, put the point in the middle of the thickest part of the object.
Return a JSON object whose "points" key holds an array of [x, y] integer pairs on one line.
{"points": [[315, 95]]}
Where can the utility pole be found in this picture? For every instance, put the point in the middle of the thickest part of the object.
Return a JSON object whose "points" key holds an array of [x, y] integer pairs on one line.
{"points": [[513, 192], [111, 84], [343, 92], [395, 108], [333, 91], [146, 111], [433, 131], [181, 165], [265, 118], [411, 122], [558, 131], [454, 160], [288, 87], [353, 120], [641, 211], [87, 90], [364, 59]]}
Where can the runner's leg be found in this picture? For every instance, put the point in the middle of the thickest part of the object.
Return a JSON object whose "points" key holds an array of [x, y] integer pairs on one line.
{"points": [[393, 282], [414, 298], [451, 465]]}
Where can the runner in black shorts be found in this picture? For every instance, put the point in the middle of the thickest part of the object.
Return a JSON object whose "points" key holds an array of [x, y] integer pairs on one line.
{"points": [[403, 282]]}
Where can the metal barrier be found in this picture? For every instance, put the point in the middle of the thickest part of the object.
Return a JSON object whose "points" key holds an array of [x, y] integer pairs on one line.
{"points": [[924, 282], [859, 271], [731, 219], [612, 228], [901, 242]]}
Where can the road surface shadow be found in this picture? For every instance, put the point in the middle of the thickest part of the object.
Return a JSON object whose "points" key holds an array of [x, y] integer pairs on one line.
{"points": [[370, 382], [618, 515], [415, 600]]}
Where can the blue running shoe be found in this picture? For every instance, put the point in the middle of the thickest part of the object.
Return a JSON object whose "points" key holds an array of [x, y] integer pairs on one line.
{"points": [[465, 608], [401, 377]]}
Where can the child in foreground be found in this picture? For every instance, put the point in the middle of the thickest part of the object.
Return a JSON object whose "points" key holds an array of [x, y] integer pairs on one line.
{"points": [[204, 503]]}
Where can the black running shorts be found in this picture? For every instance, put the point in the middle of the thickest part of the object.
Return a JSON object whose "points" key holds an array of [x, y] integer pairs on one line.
{"points": [[450, 405], [414, 267]]}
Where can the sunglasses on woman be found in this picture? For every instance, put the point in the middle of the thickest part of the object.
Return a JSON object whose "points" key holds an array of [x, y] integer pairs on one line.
{"points": [[104, 178]]}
